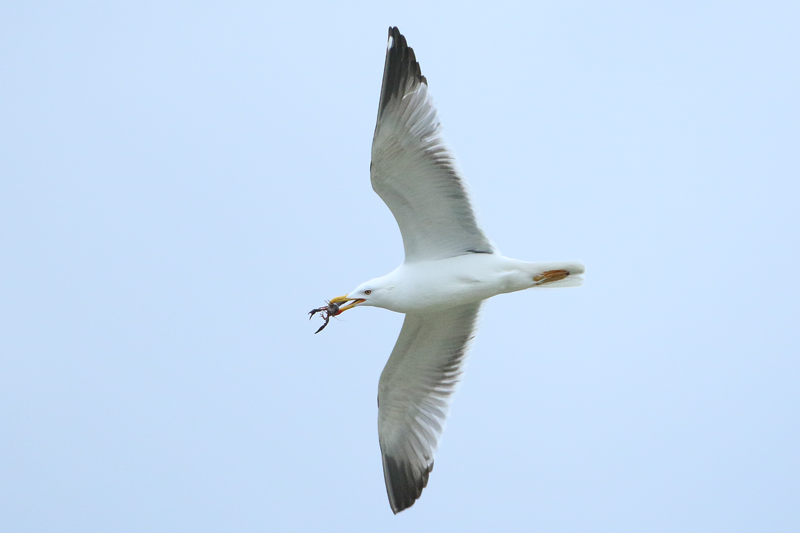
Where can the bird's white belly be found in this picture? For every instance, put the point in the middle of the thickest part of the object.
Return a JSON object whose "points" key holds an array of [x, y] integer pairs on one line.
{"points": [[434, 285]]}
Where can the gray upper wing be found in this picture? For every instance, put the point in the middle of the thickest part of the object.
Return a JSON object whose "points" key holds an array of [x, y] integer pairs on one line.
{"points": [[413, 171]]}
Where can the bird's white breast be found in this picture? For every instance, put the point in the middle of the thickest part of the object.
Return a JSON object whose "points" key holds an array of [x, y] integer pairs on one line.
{"points": [[433, 285]]}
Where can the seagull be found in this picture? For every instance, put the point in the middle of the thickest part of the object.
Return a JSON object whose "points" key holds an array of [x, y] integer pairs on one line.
{"points": [[450, 268]]}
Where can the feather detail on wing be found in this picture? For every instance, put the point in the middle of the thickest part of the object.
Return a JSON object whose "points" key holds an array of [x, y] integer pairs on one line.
{"points": [[413, 171], [413, 396]]}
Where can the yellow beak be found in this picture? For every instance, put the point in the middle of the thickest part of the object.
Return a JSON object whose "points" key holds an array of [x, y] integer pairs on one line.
{"points": [[342, 299]]}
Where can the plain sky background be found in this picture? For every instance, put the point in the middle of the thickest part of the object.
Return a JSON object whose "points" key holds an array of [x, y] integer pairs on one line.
{"points": [[181, 182]]}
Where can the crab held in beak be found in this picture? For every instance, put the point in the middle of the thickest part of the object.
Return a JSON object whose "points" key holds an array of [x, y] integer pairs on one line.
{"points": [[339, 300], [333, 308]]}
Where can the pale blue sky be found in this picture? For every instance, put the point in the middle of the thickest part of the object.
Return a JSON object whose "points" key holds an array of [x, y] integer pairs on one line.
{"points": [[181, 182]]}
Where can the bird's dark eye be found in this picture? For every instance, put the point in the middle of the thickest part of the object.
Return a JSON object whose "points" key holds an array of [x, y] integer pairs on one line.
{"points": [[368, 292]]}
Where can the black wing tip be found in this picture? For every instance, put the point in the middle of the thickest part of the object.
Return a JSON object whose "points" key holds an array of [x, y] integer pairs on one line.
{"points": [[402, 486], [400, 69], [406, 56]]}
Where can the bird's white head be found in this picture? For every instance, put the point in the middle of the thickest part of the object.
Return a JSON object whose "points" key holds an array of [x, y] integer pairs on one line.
{"points": [[371, 293]]}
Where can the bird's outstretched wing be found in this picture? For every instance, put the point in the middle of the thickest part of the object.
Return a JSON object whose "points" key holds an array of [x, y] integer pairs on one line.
{"points": [[413, 171], [413, 395]]}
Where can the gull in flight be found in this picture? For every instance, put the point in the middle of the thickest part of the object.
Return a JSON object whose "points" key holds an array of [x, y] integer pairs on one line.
{"points": [[450, 267]]}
